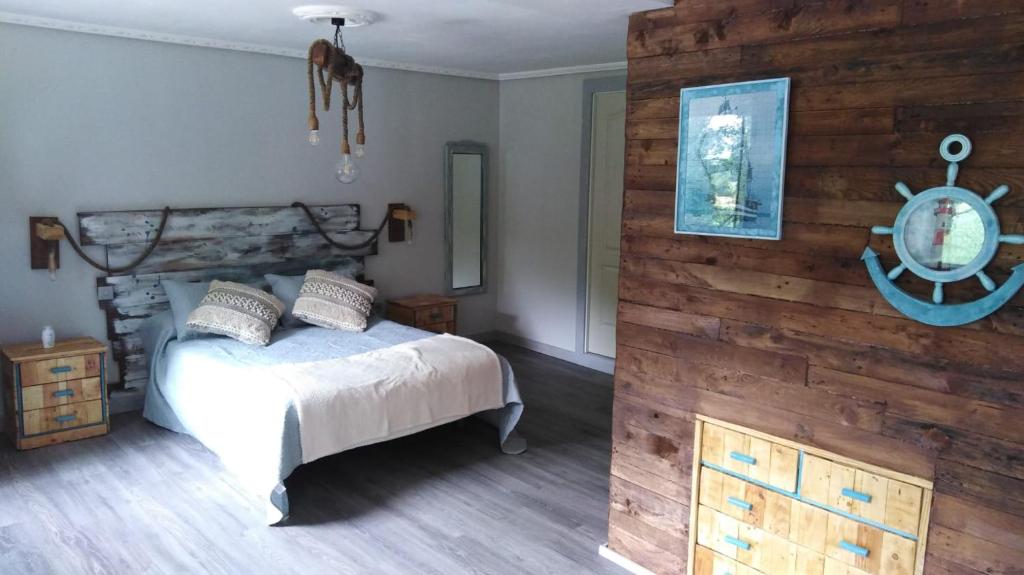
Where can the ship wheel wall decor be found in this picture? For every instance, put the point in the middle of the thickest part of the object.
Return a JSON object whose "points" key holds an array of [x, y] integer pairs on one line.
{"points": [[946, 234]]}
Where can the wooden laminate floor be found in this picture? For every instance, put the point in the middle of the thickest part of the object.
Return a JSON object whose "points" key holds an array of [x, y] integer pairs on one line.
{"points": [[445, 501]]}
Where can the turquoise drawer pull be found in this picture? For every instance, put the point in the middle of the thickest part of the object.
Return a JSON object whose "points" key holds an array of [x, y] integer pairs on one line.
{"points": [[742, 544], [742, 457], [64, 418], [847, 492], [61, 369], [740, 503], [855, 549], [64, 393]]}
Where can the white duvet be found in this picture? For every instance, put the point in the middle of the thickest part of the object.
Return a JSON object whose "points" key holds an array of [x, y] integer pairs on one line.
{"points": [[387, 393]]}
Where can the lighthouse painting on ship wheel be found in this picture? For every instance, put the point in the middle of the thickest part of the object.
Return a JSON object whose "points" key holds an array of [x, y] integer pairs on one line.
{"points": [[732, 159]]}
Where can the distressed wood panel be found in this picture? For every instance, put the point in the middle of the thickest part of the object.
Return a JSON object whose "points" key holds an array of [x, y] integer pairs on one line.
{"points": [[255, 251], [232, 244], [790, 337], [110, 228]]}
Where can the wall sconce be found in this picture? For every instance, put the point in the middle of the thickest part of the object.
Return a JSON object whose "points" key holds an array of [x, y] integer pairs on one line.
{"points": [[400, 223], [45, 234]]}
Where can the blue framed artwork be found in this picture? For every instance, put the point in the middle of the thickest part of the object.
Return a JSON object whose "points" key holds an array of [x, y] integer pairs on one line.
{"points": [[732, 159]]}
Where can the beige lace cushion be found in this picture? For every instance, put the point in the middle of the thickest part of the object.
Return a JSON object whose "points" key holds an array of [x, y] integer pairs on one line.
{"points": [[238, 311], [334, 301]]}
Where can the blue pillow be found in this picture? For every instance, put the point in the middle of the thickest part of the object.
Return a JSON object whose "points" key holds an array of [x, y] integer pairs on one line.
{"points": [[185, 297], [286, 289]]}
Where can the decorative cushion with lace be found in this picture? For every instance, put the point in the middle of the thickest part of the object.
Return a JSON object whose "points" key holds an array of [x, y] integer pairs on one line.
{"points": [[334, 301], [238, 311]]}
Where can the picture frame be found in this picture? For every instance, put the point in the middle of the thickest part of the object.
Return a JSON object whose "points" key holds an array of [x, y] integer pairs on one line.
{"points": [[730, 174]]}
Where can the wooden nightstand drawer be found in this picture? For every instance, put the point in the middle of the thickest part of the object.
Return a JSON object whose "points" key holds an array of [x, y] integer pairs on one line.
{"points": [[63, 417], [435, 315], [61, 393], [59, 369], [867, 548]]}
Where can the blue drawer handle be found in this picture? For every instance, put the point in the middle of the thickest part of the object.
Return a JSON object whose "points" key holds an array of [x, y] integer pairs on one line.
{"points": [[847, 492], [740, 503], [64, 418], [742, 457], [61, 369], [64, 393], [855, 549], [739, 543]]}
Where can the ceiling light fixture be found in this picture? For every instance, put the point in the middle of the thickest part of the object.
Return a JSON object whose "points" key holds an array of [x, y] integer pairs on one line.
{"points": [[340, 67]]}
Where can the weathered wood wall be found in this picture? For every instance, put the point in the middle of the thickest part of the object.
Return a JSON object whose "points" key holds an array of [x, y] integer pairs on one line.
{"points": [[790, 337]]}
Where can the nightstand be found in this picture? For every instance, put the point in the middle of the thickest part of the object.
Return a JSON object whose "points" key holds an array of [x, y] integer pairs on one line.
{"points": [[55, 395], [430, 312]]}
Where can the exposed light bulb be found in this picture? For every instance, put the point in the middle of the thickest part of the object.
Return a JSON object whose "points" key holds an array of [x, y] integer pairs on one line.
{"points": [[360, 150], [314, 137], [346, 169]]}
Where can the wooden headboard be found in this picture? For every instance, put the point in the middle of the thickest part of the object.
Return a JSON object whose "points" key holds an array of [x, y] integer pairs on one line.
{"points": [[237, 244]]}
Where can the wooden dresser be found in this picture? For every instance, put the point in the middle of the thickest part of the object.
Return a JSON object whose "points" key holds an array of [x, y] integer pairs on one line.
{"points": [[55, 395], [430, 312], [763, 505]]}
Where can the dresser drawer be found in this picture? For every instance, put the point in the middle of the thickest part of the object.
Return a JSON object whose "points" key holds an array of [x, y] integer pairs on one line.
{"points": [[753, 547], [435, 315], [708, 562], [59, 369], [753, 505], [868, 548], [61, 393], [753, 457], [883, 500], [62, 417]]}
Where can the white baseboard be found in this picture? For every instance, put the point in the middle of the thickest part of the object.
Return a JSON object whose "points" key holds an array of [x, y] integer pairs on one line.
{"points": [[588, 360], [622, 561]]}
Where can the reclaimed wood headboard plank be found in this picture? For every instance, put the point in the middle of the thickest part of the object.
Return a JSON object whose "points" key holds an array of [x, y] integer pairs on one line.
{"points": [[233, 244], [108, 228], [240, 251]]}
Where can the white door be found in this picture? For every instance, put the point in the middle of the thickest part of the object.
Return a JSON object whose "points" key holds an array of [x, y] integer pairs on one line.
{"points": [[607, 157]]}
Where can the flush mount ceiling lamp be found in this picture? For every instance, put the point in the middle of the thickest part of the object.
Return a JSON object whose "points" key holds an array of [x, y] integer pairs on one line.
{"points": [[341, 68]]}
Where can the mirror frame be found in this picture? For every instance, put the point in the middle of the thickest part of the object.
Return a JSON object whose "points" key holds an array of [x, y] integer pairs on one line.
{"points": [[472, 148]]}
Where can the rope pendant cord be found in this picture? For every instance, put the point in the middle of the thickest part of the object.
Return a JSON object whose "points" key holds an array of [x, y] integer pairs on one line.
{"points": [[316, 225], [166, 214], [129, 266]]}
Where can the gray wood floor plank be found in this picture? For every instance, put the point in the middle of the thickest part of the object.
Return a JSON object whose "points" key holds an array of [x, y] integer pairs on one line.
{"points": [[445, 501]]}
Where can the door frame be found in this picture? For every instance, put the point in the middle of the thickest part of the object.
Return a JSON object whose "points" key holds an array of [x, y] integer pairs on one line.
{"points": [[590, 87]]}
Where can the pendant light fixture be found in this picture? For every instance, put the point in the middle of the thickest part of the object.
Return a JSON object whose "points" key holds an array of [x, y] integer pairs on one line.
{"points": [[342, 68]]}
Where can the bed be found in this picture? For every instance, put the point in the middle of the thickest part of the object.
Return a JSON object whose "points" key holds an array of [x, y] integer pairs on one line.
{"points": [[205, 388], [247, 404]]}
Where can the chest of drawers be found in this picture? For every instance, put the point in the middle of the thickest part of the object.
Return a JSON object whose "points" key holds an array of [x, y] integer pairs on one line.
{"points": [[763, 505], [55, 395]]}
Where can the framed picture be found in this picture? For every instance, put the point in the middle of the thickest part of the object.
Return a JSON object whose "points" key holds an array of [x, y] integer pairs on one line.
{"points": [[732, 159]]}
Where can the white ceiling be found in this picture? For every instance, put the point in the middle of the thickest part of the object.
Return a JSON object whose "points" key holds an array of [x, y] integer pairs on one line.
{"points": [[482, 38]]}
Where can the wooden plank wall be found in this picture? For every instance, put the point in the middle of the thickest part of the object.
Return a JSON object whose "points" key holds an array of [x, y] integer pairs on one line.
{"points": [[790, 337]]}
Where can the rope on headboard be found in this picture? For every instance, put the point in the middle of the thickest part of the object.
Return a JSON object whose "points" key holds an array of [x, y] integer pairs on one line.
{"points": [[130, 265], [163, 225]]}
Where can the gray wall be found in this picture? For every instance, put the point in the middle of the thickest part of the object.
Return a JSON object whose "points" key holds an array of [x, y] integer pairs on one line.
{"points": [[541, 129], [96, 123]]}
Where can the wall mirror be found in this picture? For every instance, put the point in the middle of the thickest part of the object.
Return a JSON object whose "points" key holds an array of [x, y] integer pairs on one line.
{"points": [[466, 177]]}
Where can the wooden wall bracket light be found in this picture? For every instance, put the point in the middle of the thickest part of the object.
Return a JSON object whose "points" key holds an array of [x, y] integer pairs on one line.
{"points": [[45, 234]]}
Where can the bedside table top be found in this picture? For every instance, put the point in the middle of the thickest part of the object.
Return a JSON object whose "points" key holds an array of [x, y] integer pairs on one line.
{"points": [[425, 300], [36, 351]]}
